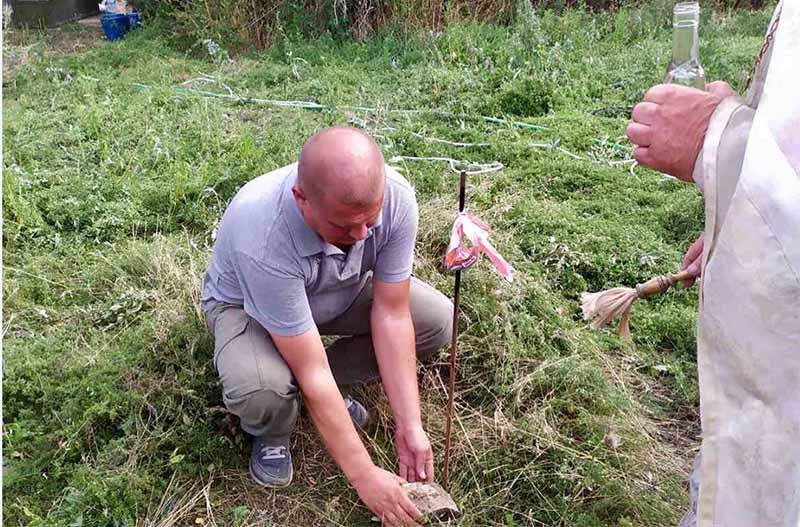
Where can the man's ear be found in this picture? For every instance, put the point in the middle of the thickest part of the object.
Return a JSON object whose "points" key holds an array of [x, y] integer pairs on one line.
{"points": [[299, 196]]}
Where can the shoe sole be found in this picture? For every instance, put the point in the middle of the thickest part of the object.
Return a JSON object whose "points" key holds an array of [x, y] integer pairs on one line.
{"points": [[272, 485]]}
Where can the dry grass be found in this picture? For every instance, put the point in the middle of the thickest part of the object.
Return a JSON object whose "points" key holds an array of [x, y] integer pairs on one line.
{"points": [[261, 22], [21, 46]]}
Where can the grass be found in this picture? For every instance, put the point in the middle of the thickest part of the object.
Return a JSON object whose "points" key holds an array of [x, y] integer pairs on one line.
{"points": [[111, 193]]}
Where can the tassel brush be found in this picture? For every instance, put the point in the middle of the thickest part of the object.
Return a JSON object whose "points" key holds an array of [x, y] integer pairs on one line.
{"points": [[603, 307]]}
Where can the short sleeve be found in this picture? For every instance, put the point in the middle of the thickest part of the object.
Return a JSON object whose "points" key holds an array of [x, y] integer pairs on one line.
{"points": [[275, 298], [396, 258]]}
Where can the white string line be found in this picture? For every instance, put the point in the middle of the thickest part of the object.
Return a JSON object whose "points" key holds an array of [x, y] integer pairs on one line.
{"points": [[363, 123], [316, 106], [554, 146], [470, 167], [308, 105], [208, 79]]}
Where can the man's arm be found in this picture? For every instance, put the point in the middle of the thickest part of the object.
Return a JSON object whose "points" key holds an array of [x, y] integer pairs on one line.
{"points": [[669, 129], [378, 489], [305, 355], [393, 341]]}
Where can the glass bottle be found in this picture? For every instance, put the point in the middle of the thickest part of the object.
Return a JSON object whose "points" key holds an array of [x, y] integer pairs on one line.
{"points": [[685, 67]]}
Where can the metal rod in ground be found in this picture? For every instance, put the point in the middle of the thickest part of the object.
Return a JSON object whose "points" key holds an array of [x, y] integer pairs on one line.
{"points": [[453, 348]]}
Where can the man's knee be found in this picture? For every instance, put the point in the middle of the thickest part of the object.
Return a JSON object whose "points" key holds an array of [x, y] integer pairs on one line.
{"points": [[432, 313], [252, 382], [257, 384], [249, 361], [265, 412], [440, 328], [264, 405]]}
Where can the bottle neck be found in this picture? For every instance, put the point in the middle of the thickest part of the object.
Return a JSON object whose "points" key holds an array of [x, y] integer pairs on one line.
{"points": [[685, 42]]}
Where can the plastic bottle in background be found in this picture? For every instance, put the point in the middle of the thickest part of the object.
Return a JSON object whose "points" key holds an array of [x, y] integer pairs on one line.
{"points": [[685, 67], [109, 6]]}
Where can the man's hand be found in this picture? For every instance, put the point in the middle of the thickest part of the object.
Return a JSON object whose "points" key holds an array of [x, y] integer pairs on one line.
{"points": [[414, 454], [382, 494], [692, 260], [721, 89], [669, 126]]}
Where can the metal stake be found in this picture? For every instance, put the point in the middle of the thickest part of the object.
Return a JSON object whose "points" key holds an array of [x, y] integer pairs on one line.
{"points": [[453, 348]]}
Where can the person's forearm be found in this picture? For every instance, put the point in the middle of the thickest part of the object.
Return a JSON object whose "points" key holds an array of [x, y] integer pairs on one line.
{"points": [[306, 358], [327, 410], [393, 340]]}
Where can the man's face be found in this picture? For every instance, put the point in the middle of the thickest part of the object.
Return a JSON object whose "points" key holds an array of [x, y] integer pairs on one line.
{"points": [[337, 224]]}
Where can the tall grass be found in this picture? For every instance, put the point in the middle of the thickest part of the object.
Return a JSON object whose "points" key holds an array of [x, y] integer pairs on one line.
{"points": [[239, 24]]}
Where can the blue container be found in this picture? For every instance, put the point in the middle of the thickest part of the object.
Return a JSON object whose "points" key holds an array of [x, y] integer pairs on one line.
{"points": [[134, 20], [115, 25]]}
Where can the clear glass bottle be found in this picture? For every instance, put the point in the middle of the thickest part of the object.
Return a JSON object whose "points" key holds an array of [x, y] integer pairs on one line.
{"points": [[685, 67]]}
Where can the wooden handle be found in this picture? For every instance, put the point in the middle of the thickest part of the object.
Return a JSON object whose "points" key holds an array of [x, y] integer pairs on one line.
{"points": [[660, 284]]}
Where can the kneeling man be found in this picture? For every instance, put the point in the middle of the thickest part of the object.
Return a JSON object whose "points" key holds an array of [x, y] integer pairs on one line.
{"points": [[325, 247]]}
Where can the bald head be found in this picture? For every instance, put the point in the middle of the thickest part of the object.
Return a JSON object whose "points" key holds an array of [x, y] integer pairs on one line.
{"points": [[344, 165]]}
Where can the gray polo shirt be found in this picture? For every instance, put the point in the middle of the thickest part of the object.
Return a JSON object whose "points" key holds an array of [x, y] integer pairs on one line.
{"points": [[267, 259]]}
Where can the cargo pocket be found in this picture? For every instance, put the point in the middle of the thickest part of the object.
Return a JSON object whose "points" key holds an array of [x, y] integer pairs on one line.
{"points": [[229, 324]]}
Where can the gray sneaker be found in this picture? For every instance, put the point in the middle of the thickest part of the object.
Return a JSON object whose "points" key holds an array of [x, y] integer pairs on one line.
{"points": [[358, 413], [271, 462]]}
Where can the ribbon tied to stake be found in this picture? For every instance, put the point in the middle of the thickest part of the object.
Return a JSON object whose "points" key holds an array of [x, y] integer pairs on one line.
{"points": [[460, 256]]}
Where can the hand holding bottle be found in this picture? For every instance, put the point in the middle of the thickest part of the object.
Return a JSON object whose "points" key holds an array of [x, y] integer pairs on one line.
{"points": [[669, 127]]}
